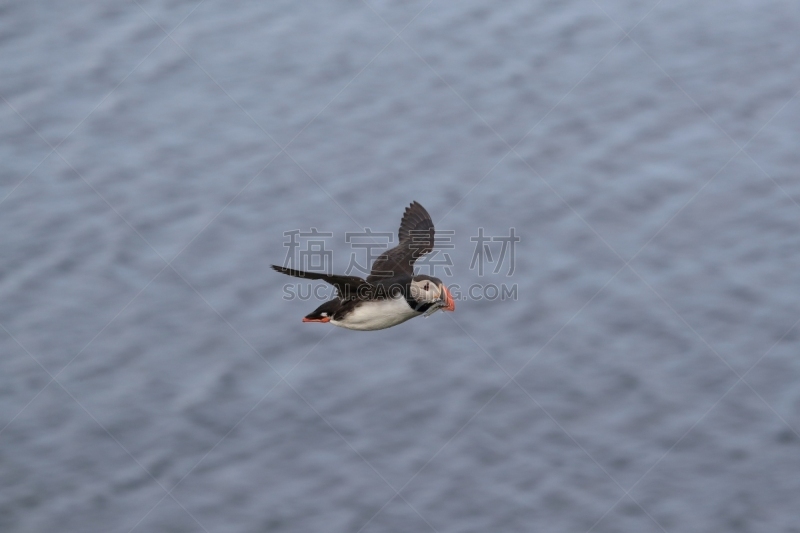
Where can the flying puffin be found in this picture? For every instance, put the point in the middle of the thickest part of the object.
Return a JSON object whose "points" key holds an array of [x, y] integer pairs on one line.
{"points": [[391, 294]]}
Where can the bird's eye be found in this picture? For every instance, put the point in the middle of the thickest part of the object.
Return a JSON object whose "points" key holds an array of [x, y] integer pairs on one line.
{"points": [[426, 287]]}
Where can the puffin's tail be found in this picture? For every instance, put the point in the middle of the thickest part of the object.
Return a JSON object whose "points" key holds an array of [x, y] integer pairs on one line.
{"points": [[324, 312]]}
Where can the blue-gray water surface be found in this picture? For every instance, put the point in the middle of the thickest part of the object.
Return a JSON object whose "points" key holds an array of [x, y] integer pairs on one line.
{"points": [[154, 378]]}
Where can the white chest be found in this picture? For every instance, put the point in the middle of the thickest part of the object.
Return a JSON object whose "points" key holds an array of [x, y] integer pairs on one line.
{"points": [[379, 314]]}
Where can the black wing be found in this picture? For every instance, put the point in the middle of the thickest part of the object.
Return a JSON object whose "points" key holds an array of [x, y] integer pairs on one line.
{"points": [[415, 238], [347, 287]]}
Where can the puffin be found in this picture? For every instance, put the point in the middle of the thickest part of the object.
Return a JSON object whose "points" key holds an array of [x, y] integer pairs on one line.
{"points": [[391, 294]]}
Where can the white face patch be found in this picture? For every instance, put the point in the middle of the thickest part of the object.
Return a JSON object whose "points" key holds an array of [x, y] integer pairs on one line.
{"points": [[425, 291]]}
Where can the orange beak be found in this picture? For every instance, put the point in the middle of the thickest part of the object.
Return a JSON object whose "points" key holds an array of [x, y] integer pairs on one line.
{"points": [[451, 304]]}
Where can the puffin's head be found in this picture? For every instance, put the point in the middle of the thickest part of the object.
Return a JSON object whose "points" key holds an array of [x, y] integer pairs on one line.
{"points": [[430, 290]]}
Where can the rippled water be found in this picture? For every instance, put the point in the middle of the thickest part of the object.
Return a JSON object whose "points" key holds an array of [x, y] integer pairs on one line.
{"points": [[673, 148]]}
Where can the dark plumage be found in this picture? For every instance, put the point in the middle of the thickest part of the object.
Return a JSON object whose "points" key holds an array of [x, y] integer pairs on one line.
{"points": [[391, 294]]}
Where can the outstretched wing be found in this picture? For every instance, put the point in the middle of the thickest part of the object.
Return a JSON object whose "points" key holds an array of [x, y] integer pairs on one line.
{"points": [[347, 287], [415, 238]]}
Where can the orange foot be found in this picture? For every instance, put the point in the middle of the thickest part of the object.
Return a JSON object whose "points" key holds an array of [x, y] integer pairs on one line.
{"points": [[323, 319]]}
